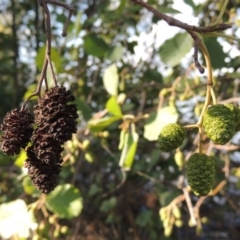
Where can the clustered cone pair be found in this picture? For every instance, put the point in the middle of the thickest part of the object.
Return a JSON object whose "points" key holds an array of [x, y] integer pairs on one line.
{"points": [[220, 122], [56, 122], [200, 167]]}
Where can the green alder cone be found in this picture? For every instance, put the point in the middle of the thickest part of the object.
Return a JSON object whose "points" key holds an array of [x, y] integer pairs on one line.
{"points": [[171, 137], [200, 173], [219, 123], [236, 114], [237, 118]]}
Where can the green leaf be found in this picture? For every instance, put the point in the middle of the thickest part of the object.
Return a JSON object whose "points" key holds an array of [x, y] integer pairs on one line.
{"points": [[190, 2], [167, 196], [55, 56], [216, 52], [65, 201], [158, 120], [235, 62], [111, 218], [21, 158], [233, 75], [131, 46], [5, 160], [121, 139], [115, 53], [174, 49], [30, 90], [77, 23], [28, 187], [97, 125], [154, 156], [144, 218], [169, 10], [15, 219], [153, 75], [129, 150], [111, 79], [95, 46], [94, 189], [108, 204], [113, 107], [83, 108]]}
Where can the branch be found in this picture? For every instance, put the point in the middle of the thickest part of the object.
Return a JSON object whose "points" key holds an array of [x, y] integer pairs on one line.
{"points": [[15, 55], [47, 60], [191, 29], [174, 22], [197, 42], [39, 86], [189, 205], [64, 5], [225, 3], [64, 32]]}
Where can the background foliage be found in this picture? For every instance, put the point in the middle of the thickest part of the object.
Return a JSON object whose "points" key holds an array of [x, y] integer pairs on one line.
{"points": [[114, 179]]}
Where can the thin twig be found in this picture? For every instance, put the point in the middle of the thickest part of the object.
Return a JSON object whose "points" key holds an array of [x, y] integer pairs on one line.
{"points": [[218, 188], [64, 32], [148, 177], [231, 100], [47, 60], [77, 226], [219, 34], [232, 204], [198, 205], [39, 86], [197, 41], [177, 200], [123, 180], [226, 147], [226, 168], [52, 71], [174, 22], [46, 81], [190, 207], [208, 62], [49, 39], [64, 5], [202, 199], [48, 27], [225, 3]]}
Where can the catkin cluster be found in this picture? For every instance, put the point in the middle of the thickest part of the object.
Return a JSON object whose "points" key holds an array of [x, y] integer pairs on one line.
{"points": [[55, 119], [16, 131]]}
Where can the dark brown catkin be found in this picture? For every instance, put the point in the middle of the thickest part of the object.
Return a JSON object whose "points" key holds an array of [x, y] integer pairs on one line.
{"points": [[16, 130]]}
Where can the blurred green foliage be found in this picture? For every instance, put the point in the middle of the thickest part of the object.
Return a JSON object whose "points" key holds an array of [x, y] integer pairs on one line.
{"points": [[114, 180]]}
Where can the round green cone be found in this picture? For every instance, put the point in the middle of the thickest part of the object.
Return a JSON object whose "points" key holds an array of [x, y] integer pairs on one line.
{"points": [[219, 123], [200, 173], [171, 137], [236, 114]]}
